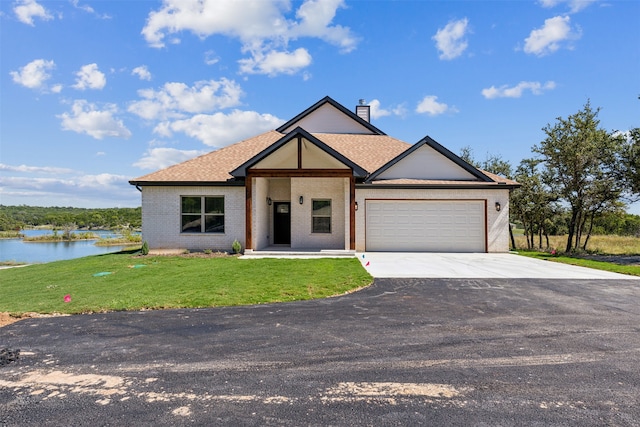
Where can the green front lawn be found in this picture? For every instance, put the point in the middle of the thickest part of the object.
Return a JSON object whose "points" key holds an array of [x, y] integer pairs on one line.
{"points": [[633, 270], [135, 283]]}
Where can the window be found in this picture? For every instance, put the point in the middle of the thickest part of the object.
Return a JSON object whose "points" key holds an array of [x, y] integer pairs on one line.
{"points": [[202, 214], [321, 216]]}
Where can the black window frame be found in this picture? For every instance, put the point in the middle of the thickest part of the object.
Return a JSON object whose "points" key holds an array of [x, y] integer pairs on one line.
{"points": [[315, 217], [200, 218]]}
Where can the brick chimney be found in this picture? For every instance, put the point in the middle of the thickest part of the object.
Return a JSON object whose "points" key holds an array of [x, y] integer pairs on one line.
{"points": [[363, 111]]}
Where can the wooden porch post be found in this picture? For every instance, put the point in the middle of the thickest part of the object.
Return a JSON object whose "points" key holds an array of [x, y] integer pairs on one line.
{"points": [[248, 216], [352, 213]]}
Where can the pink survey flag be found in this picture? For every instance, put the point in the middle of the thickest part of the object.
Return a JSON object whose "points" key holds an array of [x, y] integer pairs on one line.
{"points": [[67, 298]]}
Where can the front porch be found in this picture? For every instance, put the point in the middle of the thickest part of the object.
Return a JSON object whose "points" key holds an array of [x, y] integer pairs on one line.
{"points": [[300, 213], [286, 252]]}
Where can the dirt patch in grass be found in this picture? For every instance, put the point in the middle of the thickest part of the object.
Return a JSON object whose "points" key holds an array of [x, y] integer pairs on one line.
{"points": [[7, 319]]}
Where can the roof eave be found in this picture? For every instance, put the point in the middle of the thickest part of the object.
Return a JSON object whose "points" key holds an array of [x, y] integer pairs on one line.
{"points": [[449, 186], [229, 183]]}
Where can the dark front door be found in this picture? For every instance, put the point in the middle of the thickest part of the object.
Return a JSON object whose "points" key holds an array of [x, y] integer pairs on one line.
{"points": [[282, 223]]}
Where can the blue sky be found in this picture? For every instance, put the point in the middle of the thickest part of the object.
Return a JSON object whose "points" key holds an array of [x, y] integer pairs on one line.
{"points": [[94, 93]]}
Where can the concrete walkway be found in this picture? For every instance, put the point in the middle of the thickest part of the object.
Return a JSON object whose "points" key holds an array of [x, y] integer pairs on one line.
{"points": [[474, 266]]}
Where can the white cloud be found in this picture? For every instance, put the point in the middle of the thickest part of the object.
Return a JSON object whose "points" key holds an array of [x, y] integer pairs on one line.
{"points": [[219, 129], [377, 111], [68, 188], [315, 21], [210, 57], [450, 40], [34, 74], [174, 99], [430, 105], [90, 77], [550, 36], [142, 72], [262, 27], [516, 91], [88, 9], [34, 169], [574, 5], [160, 158], [26, 10], [273, 62], [86, 118]]}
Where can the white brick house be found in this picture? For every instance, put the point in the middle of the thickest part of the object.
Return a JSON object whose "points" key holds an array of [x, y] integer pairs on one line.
{"points": [[327, 179]]}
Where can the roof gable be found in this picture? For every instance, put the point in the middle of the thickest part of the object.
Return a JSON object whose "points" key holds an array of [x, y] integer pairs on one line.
{"points": [[298, 149], [428, 160], [327, 116]]}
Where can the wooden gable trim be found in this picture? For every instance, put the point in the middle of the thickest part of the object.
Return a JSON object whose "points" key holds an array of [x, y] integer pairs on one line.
{"points": [[299, 173], [298, 133]]}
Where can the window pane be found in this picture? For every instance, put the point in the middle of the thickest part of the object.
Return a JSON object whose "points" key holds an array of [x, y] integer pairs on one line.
{"points": [[321, 225], [322, 207], [214, 224], [191, 223], [191, 205], [214, 205]]}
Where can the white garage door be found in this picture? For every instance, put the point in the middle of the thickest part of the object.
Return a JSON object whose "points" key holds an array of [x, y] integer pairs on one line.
{"points": [[425, 225]]}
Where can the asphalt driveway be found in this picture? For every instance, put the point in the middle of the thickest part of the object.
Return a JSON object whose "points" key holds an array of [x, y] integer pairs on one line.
{"points": [[401, 352], [474, 266]]}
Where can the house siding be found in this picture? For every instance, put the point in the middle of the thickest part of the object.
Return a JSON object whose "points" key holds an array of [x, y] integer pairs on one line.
{"points": [[497, 223], [318, 188], [161, 218], [327, 119]]}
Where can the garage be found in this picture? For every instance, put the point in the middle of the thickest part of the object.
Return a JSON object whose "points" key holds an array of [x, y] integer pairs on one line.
{"points": [[425, 226]]}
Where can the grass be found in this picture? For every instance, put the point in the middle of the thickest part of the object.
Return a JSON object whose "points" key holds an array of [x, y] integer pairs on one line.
{"points": [[633, 270], [11, 235], [130, 239], [61, 237], [150, 282], [610, 245]]}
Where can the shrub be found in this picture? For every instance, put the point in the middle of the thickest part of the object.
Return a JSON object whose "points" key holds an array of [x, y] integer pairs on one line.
{"points": [[236, 246], [145, 248]]}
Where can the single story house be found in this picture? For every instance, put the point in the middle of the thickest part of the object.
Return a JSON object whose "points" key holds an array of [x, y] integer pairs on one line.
{"points": [[327, 179]]}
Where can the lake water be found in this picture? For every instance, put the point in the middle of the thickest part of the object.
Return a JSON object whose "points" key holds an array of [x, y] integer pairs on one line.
{"points": [[36, 252]]}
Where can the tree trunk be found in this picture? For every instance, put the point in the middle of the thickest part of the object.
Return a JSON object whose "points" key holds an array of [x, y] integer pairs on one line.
{"points": [[546, 236], [539, 237], [572, 229], [578, 232], [513, 240], [586, 240]]}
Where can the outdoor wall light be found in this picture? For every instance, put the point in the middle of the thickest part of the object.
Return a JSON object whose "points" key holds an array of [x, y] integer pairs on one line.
{"points": [[498, 207], [269, 201], [301, 200], [356, 205]]}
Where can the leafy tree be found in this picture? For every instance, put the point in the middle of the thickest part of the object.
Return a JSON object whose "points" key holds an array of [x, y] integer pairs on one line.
{"points": [[582, 166], [532, 203], [631, 163]]}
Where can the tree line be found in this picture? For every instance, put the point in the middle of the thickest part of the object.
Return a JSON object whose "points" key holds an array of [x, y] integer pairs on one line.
{"points": [[20, 217], [577, 183]]}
